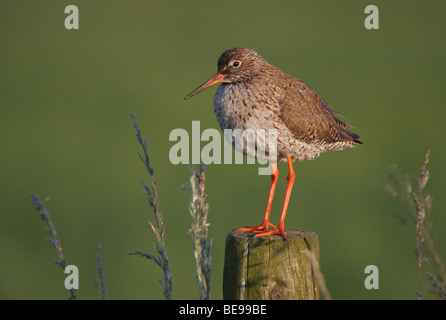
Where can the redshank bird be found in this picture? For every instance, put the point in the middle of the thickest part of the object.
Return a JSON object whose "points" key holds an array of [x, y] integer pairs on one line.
{"points": [[253, 94]]}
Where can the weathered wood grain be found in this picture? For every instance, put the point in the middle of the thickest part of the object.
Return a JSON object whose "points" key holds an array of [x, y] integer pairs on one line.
{"points": [[270, 268]]}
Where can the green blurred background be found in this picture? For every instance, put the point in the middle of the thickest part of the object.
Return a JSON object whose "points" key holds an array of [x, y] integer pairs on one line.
{"points": [[66, 133]]}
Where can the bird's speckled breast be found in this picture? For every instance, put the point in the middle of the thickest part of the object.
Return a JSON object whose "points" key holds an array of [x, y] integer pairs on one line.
{"points": [[236, 107]]}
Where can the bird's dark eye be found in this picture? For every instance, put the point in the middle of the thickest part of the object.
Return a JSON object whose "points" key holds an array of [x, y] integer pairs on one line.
{"points": [[236, 64]]}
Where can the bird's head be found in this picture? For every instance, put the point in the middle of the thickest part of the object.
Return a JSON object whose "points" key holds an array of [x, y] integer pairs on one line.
{"points": [[234, 66]]}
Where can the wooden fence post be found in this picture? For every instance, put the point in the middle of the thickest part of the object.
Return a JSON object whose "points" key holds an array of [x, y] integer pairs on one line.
{"points": [[270, 268]]}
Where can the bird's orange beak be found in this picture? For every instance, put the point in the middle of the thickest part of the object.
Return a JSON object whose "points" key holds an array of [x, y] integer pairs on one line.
{"points": [[214, 80]]}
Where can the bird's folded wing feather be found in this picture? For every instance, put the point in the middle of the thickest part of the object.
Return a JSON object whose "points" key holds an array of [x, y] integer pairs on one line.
{"points": [[310, 118]]}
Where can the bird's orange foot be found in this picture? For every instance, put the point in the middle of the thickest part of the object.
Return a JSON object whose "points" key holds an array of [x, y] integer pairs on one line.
{"points": [[278, 231], [260, 228]]}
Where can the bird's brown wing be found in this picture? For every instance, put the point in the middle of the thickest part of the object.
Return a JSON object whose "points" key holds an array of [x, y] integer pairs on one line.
{"points": [[310, 118]]}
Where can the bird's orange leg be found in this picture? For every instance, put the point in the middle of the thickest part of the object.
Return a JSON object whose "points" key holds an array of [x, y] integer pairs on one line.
{"points": [[265, 224], [281, 229]]}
